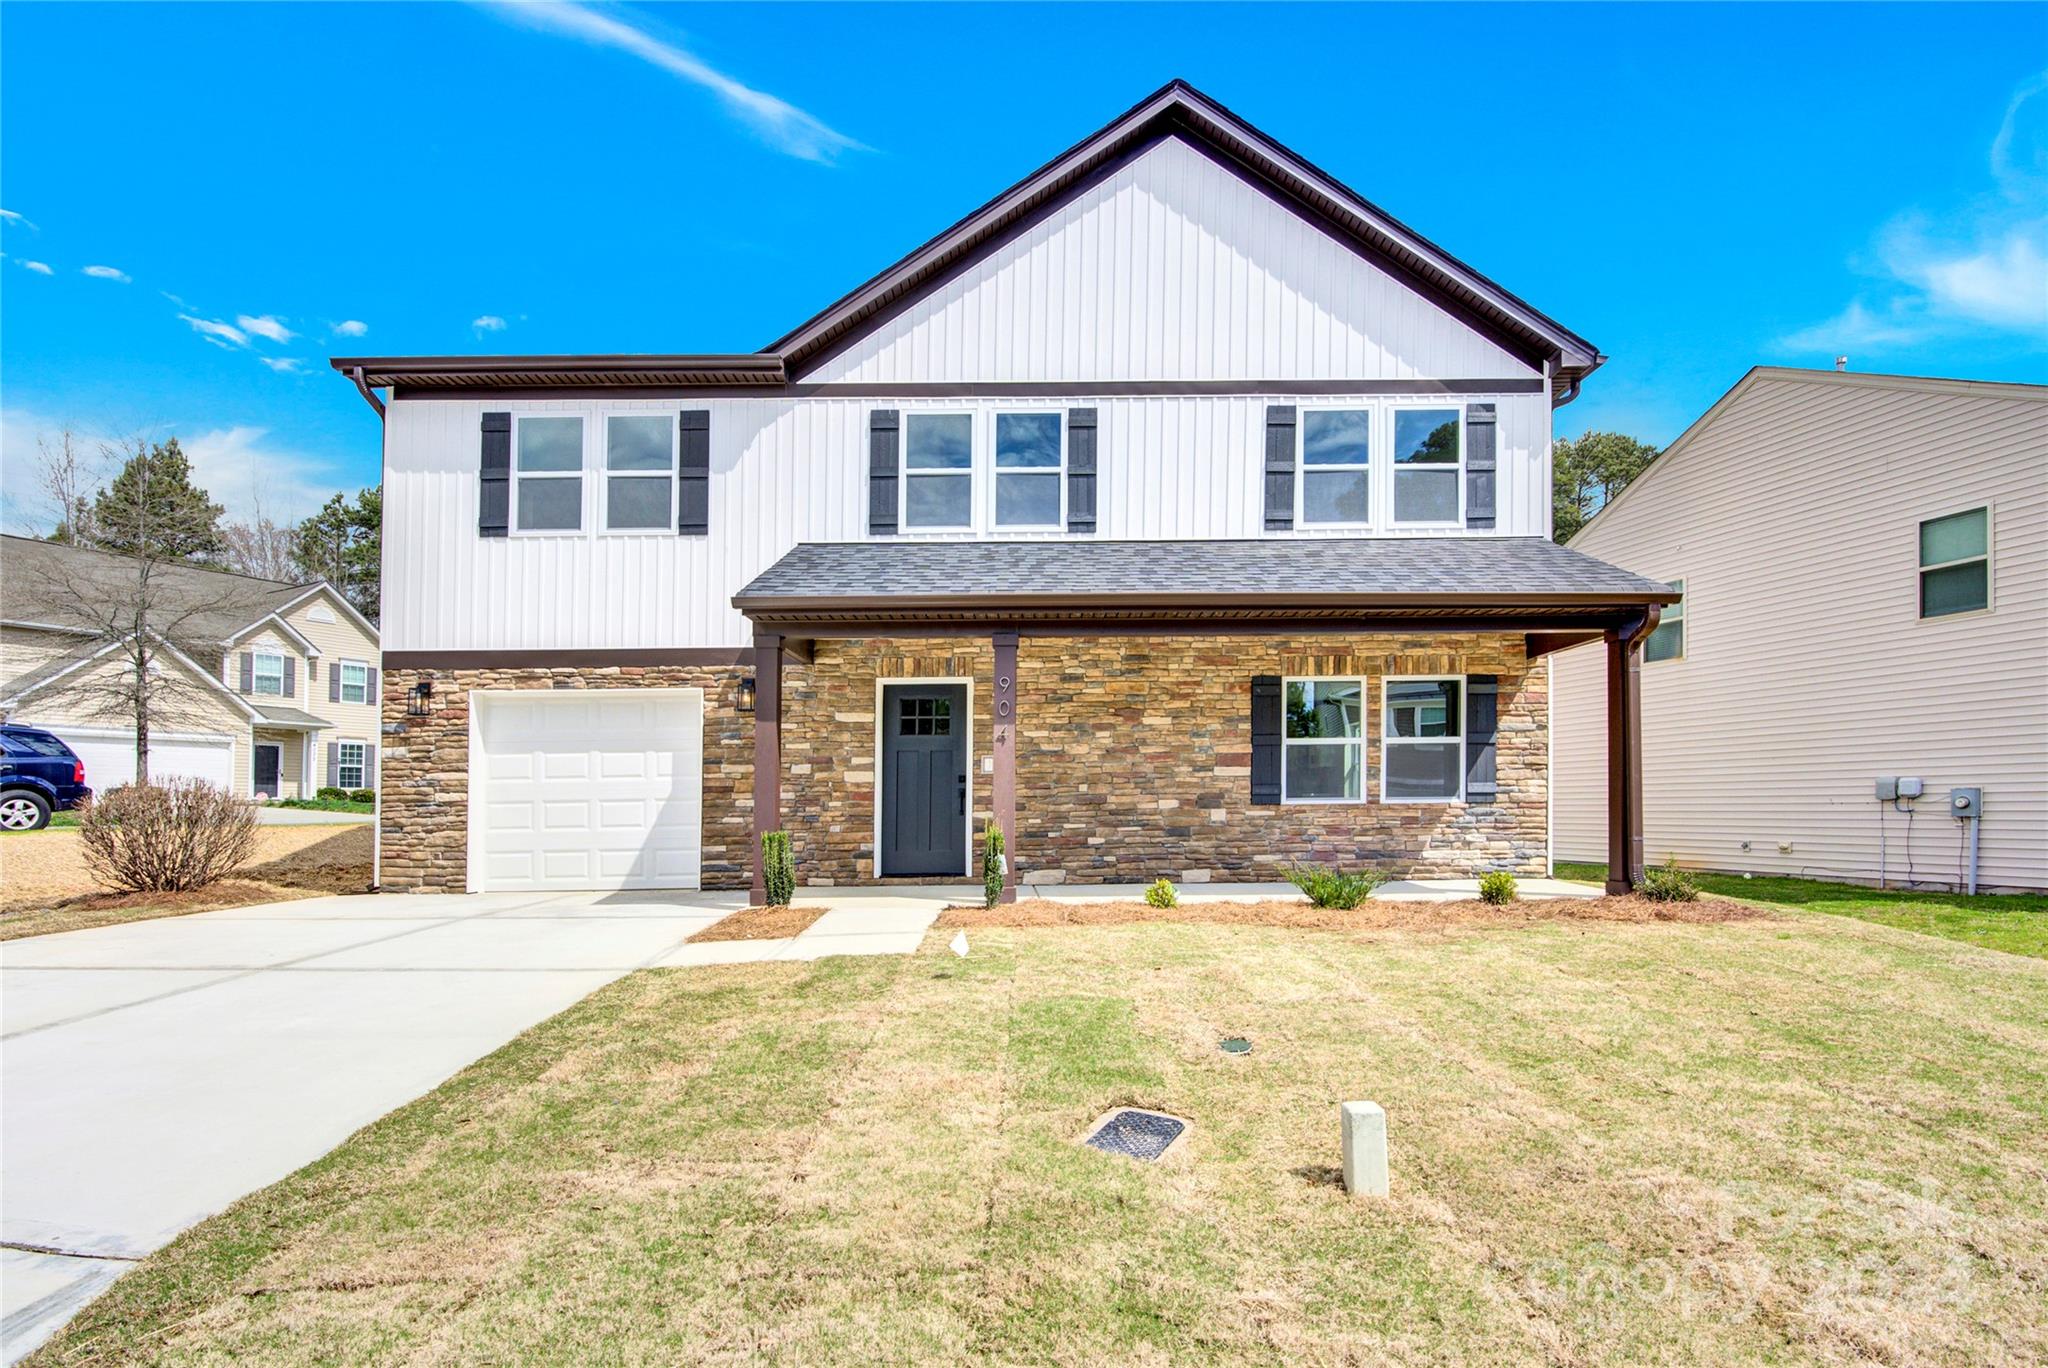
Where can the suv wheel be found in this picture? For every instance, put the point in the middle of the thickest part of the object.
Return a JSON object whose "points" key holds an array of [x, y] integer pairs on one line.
{"points": [[22, 811]]}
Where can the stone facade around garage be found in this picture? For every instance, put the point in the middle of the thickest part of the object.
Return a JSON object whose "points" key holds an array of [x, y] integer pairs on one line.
{"points": [[1133, 760]]}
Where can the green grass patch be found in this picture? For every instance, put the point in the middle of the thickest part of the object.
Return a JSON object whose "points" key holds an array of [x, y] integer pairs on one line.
{"points": [[2016, 923], [322, 805], [59, 821]]}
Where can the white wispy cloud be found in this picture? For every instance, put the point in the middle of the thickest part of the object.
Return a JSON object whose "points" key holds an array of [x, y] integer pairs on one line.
{"points": [[107, 273], [219, 333], [39, 267], [488, 323], [351, 327], [1981, 268], [10, 217], [284, 365], [265, 325], [774, 120]]}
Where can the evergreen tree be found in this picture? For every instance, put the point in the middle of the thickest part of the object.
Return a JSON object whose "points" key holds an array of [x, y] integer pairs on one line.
{"points": [[1586, 473], [343, 544], [153, 510]]}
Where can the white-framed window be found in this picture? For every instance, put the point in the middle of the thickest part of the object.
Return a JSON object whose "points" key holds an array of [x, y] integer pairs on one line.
{"points": [[1955, 563], [1429, 466], [1030, 469], [1668, 641], [351, 759], [938, 471], [266, 673], [547, 472], [1323, 747], [1422, 739], [355, 682], [1333, 487], [640, 472]]}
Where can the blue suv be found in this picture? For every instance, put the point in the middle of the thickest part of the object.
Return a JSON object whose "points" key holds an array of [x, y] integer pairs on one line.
{"points": [[39, 775]]}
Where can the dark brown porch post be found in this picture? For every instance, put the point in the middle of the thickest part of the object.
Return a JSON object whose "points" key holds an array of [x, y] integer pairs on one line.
{"points": [[767, 749], [1005, 746], [1625, 751]]}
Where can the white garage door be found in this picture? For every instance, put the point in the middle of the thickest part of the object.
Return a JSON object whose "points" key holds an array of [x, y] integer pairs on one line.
{"points": [[587, 789], [109, 756]]}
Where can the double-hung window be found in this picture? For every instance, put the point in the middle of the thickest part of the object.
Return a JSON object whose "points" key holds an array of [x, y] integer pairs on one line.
{"points": [[1429, 460], [1336, 466], [1955, 564], [1029, 455], [640, 472], [266, 673], [351, 758], [355, 682], [1422, 745], [548, 472], [1324, 747], [938, 471], [1668, 641]]}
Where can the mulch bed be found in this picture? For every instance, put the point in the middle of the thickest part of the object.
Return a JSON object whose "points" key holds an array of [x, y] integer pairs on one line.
{"points": [[760, 923], [1374, 915]]}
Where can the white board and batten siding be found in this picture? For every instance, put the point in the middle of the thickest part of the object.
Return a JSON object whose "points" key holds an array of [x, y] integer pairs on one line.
{"points": [[1793, 518]]}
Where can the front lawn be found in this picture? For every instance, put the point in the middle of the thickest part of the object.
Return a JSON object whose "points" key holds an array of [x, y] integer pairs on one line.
{"points": [[322, 804], [65, 820], [2013, 922], [1788, 1140]]}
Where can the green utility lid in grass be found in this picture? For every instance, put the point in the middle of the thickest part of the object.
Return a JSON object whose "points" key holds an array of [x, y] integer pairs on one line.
{"points": [[1235, 1045]]}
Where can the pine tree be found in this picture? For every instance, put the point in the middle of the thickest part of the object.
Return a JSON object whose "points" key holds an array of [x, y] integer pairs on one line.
{"points": [[153, 510], [343, 544]]}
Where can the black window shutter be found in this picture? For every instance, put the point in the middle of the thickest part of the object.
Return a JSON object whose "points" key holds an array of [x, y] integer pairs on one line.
{"points": [[334, 683], [1279, 471], [1267, 727], [693, 473], [1481, 428], [884, 435], [494, 477], [1081, 470], [1482, 720]]}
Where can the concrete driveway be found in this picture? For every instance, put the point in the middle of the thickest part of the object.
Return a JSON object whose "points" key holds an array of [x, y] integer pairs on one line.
{"points": [[152, 1073]]}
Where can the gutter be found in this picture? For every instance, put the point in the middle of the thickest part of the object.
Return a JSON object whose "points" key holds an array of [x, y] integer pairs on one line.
{"points": [[355, 374]]}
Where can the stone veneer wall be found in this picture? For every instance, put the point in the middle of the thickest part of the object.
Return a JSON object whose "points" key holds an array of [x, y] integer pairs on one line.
{"points": [[1133, 760]]}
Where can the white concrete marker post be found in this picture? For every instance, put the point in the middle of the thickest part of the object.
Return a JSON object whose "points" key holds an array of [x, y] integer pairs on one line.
{"points": [[1365, 1149]]}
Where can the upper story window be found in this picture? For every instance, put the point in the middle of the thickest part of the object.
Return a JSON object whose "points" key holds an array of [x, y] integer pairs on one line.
{"points": [[1030, 449], [938, 471], [640, 466], [355, 682], [1668, 641], [1422, 748], [1955, 564], [547, 458], [1429, 456], [266, 673], [1323, 759], [1336, 467]]}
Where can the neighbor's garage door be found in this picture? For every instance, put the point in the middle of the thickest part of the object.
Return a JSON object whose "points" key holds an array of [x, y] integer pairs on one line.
{"points": [[587, 789], [109, 756]]}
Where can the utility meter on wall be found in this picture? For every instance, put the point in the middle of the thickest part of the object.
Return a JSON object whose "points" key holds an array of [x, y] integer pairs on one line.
{"points": [[1966, 802]]}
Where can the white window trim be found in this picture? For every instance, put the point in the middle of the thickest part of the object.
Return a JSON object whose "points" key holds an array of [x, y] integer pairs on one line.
{"points": [[997, 469], [519, 479], [1990, 549], [1364, 735], [1394, 520], [341, 763], [1374, 445], [1677, 584], [256, 658], [1387, 737], [969, 472], [345, 666], [607, 475]]}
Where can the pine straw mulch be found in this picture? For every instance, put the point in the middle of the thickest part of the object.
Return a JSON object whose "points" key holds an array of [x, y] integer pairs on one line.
{"points": [[1374, 915], [759, 923]]}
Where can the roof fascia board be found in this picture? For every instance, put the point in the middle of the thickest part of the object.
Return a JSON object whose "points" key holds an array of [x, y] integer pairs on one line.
{"points": [[305, 647]]}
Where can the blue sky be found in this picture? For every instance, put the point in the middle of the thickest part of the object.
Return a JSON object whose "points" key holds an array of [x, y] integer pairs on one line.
{"points": [[203, 202]]}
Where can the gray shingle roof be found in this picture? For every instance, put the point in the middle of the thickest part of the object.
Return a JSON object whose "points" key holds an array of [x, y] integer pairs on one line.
{"points": [[211, 604], [284, 716], [1416, 570]]}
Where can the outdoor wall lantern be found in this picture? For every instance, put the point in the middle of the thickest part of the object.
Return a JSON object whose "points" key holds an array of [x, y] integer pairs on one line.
{"points": [[419, 699], [747, 694]]}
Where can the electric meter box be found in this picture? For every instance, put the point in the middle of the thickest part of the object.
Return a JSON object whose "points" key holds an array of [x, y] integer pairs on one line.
{"points": [[1911, 788], [1966, 802], [1887, 789]]}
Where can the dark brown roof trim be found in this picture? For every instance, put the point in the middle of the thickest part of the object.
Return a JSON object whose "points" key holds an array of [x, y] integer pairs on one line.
{"points": [[998, 389], [567, 659], [876, 606], [579, 372]]}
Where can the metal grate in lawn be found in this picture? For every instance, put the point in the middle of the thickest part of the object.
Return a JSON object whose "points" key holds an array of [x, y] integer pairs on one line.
{"points": [[1142, 1135]]}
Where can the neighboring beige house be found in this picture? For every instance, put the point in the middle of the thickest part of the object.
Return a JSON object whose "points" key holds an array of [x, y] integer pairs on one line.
{"points": [[1864, 564], [284, 677]]}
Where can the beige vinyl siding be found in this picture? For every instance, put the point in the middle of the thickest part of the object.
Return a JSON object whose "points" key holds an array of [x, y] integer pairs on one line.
{"points": [[23, 649], [339, 640], [204, 712], [1793, 518]]}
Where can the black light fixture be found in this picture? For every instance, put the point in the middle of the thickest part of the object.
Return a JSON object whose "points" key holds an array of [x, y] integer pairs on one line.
{"points": [[747, 694], [419, 699]]}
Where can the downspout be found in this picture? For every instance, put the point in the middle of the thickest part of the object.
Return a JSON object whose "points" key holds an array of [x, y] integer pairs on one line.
{"points": [[369, 395]]}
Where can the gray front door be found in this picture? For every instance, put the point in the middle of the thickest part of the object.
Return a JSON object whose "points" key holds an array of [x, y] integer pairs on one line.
{"points": [[924, 779], [269, 762]]}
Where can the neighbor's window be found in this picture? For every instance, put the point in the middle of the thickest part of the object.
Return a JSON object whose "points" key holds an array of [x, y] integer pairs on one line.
{"points": [[1668, 641], [548, 470], [640, 466], [1324, 751], [1028, 455], [1422, 750], [349, 767], [355, 682], [1336, 465], [1428, 465], [938, 470], [267, 673], [1955, 564]]}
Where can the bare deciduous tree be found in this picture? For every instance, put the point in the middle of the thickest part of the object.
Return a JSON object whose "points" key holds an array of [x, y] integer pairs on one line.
{"points": [[260, 547], [68, 479]]}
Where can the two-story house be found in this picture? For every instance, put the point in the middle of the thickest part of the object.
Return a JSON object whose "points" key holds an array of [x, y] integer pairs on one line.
{"points": [[275, 692], [1178, 511]]}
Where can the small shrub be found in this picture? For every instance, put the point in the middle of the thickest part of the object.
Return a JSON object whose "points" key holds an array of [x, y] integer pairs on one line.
{"points": [[362, 795], [1668, 883], [1497, 887], [166, 838], [778, 868], [1327, 887], [992, 865], [1163, 894], [333, 794]]}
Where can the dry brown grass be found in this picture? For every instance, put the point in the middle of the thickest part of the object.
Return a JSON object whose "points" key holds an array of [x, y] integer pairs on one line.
{"points": [[1375, 915], [760, 923]]}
